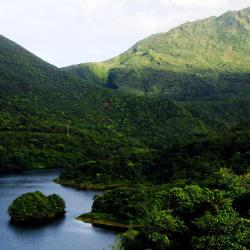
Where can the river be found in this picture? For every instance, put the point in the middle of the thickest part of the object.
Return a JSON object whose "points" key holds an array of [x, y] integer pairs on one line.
{"points": [[64, 234]]}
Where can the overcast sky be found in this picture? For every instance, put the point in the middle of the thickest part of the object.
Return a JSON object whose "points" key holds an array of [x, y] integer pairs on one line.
{"points": [[65, 32]]}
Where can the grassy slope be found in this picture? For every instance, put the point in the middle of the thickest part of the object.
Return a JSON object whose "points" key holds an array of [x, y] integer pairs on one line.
{"points": [[205, 59]]}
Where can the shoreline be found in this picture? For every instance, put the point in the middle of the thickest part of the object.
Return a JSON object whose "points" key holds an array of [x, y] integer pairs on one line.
{"points": [[89, 186], [106, 221]]}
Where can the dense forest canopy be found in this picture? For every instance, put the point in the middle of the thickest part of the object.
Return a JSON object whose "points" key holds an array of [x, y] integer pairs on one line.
{"points": [[36, 208], [46, 114]]}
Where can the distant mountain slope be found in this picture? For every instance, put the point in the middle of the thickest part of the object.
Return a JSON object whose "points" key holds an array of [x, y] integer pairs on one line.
{"points": [[205, 59], [30, 86], [23, 72]]}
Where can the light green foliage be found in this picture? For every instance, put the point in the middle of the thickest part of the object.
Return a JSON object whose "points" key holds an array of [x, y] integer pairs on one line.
{"points": [[160, 228], [225, 230], [227, 180], [90, 72], [190, 200], [187, 217], [207, 59]]}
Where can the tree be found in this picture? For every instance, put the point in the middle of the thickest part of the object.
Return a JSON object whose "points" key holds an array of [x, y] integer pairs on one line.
{"points": [[223, 231]]}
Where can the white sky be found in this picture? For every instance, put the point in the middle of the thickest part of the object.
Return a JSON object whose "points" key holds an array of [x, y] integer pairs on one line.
{"points": [[65, 32]]}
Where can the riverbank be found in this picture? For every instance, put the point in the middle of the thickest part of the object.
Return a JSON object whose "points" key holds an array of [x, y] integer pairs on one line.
{"points": [[107, 221], [90, 186], [99, 219]]}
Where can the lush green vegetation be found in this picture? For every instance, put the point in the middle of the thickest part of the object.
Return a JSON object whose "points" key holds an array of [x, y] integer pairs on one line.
{"points": [[189, 162], [107, 221], [207, 59], [199, 160], [193, 196], [181, 216], [36, 208], [38, 102], [34, 136]]}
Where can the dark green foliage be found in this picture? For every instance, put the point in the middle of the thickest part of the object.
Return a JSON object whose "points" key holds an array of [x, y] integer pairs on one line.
{"points": [[36, 208], [196, 162], [201, 159], [190, 201], [212, 89], [131, 240], [54, 118], [242, 204], [124, 164], [226, 180], [175, 125], [162, 229], [125, 203]]}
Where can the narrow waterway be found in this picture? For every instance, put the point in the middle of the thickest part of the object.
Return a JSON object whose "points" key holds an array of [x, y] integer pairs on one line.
{"points": [[64, 234]]}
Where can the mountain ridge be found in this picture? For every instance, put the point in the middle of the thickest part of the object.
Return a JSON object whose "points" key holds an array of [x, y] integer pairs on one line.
{"points": [[202, 51]]}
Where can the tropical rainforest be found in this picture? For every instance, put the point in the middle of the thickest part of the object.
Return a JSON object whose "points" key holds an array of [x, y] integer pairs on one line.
{"points": [[164, 129]]}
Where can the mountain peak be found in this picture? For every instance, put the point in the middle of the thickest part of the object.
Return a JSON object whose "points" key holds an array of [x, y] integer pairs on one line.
{"points": [[193, 55]]}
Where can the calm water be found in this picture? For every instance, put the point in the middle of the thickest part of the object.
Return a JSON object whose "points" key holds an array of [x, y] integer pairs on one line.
{"points": [[65, 234]]}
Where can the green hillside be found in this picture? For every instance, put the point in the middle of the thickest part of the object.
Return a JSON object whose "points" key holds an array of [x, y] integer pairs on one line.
{"points": [[206, 59], [194, 162], [24, 73], [51, 119]]}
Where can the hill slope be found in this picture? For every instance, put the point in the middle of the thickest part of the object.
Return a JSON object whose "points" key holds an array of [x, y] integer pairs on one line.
{"points": [[205, 59], [51, 118], [38, 102], [193, 162], [23, 72]]}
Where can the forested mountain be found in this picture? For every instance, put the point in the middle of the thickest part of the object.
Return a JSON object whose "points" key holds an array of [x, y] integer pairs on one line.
{"points": [[53, 118], [165, 125], [206, 59]]}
